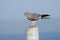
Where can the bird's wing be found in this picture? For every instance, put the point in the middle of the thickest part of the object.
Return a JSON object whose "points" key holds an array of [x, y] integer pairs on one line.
{"points": [[28, 14], [44, 16]]}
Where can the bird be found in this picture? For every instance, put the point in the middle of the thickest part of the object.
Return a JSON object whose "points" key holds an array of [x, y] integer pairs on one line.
{"points": [[35, 16]]}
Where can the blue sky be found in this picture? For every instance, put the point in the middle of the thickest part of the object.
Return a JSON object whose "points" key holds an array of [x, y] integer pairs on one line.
{"points": [[12, 19]]}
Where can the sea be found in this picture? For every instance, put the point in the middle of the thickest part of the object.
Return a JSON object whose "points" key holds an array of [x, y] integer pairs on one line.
{"points": [[42, 36]]}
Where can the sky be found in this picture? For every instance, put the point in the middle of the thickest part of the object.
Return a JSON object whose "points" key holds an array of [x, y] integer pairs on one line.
{"points": [[13, 20]]}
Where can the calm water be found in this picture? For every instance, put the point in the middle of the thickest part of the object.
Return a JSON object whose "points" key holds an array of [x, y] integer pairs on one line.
{"points": [[43, 36]]}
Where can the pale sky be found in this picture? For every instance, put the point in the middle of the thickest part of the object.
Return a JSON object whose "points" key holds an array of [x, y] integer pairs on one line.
{"points": [[12, 19]]}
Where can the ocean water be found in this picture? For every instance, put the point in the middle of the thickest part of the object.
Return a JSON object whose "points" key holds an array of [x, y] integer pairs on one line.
{"points": [[43, 36]]}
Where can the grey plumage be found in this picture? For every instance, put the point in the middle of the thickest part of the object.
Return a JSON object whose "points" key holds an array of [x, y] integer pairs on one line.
{"points": [[35, 16], [32, 16]]}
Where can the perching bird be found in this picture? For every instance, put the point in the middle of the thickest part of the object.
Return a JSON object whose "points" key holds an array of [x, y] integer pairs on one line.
{"points": [[35, 16]]}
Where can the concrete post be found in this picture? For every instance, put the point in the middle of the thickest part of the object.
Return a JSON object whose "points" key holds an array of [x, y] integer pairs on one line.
{"points": [[32, 32]]}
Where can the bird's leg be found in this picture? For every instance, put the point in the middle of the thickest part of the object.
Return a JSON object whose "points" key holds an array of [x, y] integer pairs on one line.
{"points": [[33, 23]]}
